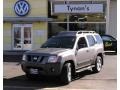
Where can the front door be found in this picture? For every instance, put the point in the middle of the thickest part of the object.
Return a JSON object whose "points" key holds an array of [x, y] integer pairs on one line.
{"points": [[83, 53], [22, 39]]}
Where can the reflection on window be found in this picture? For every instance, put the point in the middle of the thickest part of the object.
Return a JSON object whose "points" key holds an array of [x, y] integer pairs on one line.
{"points": [[27, 35], [17, 37], [59, 18], [58, 27], [78, 21], [55, 28], [87, 18]]}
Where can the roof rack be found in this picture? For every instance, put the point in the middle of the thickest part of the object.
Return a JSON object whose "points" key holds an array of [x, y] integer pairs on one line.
{"points": [[79, 32]]}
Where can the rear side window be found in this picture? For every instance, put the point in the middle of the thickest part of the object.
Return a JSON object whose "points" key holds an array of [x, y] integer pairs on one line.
{"points": [[91, 40], [98, 39]]}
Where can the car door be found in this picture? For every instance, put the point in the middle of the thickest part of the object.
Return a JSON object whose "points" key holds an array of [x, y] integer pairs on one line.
{"points": [[92, 48], [82, 55]]}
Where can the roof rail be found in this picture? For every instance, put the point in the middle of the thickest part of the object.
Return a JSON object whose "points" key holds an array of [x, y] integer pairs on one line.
{"points": [[79, 32]]}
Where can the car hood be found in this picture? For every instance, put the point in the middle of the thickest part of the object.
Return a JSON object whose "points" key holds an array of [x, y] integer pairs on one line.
{"points": [[48, 51]]}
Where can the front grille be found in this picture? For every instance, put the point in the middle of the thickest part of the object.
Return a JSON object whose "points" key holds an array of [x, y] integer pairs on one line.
{"points": [[35, 58]]}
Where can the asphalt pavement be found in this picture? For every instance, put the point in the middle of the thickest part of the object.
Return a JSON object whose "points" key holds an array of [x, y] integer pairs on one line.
{"points": [[14, 78]]}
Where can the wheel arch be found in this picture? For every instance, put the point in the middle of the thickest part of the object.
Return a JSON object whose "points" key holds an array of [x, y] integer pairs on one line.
{"points": [[72, 63]]}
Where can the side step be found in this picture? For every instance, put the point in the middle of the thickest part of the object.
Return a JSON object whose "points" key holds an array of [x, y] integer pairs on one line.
{"points": [[84, 68]]}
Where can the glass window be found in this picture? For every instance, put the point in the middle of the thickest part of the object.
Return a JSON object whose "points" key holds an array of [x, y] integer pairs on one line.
{"points": [[98, 39], [87, 18], [91, 40], [97, 27], [77, 21], [27, 35], [55, 28], [59, 18], [108, 38], [82, 43], [22, 36], [17, 37], [60, 42]]}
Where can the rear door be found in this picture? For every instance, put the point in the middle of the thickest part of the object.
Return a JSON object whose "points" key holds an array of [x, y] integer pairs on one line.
{"points": [[92, 48]]}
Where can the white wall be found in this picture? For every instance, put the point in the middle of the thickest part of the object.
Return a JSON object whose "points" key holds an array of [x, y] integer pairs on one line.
{"points": [[113, 18]]}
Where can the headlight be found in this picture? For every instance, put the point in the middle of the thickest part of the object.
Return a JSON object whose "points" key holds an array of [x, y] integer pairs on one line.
{"points": [[52, 59], [24, 57]]}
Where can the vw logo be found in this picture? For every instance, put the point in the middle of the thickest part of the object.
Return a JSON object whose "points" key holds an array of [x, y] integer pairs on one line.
{"points": [[21, 8]]}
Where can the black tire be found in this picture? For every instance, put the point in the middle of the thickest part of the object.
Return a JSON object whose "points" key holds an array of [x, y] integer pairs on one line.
{"points": [[66, 74], [116, 51], [98, 65]]}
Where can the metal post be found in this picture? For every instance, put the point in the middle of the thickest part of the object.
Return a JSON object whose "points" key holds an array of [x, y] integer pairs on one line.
{"points": [[68, 22], [68, 27], [107, 16]]}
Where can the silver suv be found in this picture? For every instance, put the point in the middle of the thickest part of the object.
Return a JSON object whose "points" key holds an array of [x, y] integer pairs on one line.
{"points": [[64, 55]]}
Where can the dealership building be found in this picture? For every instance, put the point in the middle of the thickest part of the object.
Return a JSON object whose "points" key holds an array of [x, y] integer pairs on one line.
{"points": [[27, 24]]}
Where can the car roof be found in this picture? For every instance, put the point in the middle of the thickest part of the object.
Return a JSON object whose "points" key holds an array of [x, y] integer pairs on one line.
{"points": [[75, 33]]}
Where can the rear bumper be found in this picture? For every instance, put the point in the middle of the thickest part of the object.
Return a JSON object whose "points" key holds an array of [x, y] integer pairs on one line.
{"points": [[48, 69]]}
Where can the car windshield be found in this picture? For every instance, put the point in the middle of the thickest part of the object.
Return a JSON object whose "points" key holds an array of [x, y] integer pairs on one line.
{"points": [[60, 42]]}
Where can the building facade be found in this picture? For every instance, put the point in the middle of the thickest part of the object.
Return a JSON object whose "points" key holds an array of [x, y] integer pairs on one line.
{"points": [[28, 24]]}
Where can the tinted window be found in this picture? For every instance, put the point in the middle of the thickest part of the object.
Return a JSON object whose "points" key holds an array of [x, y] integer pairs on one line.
{"points": [[82, 43], [91, 40], [60, 42], [98, 39], [108, 38]]}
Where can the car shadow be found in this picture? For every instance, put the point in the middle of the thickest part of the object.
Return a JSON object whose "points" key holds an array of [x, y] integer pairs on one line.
{"points": [[40, 83], [83, 74], [37, 83]]}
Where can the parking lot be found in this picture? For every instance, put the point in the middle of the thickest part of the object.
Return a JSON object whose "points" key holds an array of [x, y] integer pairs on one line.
{"points": [[14, 78]]}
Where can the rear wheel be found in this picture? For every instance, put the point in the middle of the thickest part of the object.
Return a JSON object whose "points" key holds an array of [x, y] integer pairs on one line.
{"points": [[66, 75], [98, 65]]}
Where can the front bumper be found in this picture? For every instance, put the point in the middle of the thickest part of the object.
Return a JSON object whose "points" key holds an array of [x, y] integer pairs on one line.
{"points": [[48, 69]]}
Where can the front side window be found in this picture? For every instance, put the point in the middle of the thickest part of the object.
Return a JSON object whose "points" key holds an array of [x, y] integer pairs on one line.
{"points": [[82, 43], [60, 42]]}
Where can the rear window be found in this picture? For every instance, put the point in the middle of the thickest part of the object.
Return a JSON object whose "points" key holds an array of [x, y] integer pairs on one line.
{"points": [[98, 39]]}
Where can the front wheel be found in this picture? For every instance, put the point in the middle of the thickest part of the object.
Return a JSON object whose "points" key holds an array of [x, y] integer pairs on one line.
{"points": [[98, 65], [66, 75]]}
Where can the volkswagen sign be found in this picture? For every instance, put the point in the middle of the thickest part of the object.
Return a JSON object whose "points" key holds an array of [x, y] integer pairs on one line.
{"points": [[21, 8]]}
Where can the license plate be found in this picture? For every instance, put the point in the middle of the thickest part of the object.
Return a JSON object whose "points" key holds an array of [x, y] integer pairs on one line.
{"points": [[33, 71]]}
